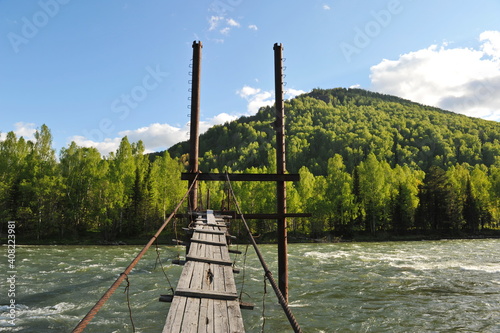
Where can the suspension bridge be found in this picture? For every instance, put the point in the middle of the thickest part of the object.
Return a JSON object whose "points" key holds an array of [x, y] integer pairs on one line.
{"points": [[206, 299]]}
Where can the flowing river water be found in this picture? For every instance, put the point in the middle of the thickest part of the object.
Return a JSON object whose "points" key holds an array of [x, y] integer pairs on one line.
{"points": [[428, 286]]}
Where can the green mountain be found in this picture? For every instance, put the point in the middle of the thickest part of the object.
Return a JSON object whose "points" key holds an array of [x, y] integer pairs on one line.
{"points": [[369, 163], [352, 123]]}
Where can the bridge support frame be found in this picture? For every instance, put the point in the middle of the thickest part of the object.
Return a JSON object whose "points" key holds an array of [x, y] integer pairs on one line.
{"points": [[281, 177]]}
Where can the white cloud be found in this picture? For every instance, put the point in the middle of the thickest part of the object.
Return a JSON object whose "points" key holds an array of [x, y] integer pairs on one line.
{"points": [[491, 45], [292, 93], [253, 27], [257, 98], [156, 137], [221, 118], [105, 147], [247, 91], [326, 7], [214, 22], [25, 130], [222, 24], [463, 80], [231, 22]]}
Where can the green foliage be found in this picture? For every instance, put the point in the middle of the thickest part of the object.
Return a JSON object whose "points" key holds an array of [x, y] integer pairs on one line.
{"points": [[368, 163], [352, 123], [123, 194], [371, 162]]}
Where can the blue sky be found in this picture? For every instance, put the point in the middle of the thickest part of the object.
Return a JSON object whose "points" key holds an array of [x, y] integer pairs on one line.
{"points": [[95, 71]]}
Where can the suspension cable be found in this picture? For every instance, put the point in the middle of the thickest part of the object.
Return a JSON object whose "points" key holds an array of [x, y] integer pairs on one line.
{"points": [[288, 312], [91, 314]]}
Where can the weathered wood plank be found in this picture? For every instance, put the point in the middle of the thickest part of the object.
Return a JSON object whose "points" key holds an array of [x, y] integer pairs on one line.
{"points": [[186, 275], [209, 260], [221, 316], [206, 298], [198, 276], [211, 219], [208, 242], [199, 293], [175, 315], [205, 319], [236, 319], [210, 231], [190, 320], [230, 285]]}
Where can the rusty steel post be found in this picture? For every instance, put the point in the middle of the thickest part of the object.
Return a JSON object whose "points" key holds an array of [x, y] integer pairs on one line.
{"points": [[281, 169], [194, 139]]}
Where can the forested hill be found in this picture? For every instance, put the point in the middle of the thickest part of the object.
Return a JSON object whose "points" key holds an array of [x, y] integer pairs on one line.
{"points": [[352, 123], [368, 163]]}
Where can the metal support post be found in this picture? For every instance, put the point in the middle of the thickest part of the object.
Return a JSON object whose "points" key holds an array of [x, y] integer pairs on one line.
{"points": [[281, 169], [194, 125]]}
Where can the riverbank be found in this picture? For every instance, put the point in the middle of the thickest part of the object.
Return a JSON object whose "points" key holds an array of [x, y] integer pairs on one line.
{"points": [[268, 238]]}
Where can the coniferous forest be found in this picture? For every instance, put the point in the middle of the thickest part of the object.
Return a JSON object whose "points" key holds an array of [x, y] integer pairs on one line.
{"points": [[370, 164]]}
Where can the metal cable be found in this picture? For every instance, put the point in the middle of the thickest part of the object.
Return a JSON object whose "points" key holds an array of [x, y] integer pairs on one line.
{"points": [[95, 309], [158, 261], [127, 290], [288, 312]]}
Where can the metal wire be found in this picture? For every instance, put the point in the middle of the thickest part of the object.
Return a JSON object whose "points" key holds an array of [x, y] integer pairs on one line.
{"points": [[288, 312], [127, 291], [95, 309], [158, 261]]}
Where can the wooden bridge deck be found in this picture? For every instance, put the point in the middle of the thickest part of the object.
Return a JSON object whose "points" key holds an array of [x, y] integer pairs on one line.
{"points": [[206, 299]]}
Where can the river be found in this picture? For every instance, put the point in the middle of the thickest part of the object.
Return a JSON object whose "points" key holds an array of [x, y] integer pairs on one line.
{"points": [[428, 286]]}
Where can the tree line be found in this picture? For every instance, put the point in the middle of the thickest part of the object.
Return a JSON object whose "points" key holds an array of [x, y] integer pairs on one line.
{"points": [[377, 198], [369, 163], [120, 195]]}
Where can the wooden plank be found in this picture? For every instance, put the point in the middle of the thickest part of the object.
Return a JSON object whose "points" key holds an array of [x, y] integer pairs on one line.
{"points": [[210, 260], [175, 315], [166, 298], [230, 284], [257, 216], [218, 224], [235, 317], [221, 316], [185, 278], [211, 219], [273, 216], [202, 241], [205, 319], [198, 277], [197, 250], [191, 314], [235, 177], [217, 253], [199, 293], [224, 254], [206, 298], [246, 306], [208, 231]]}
